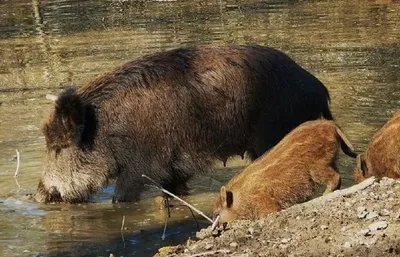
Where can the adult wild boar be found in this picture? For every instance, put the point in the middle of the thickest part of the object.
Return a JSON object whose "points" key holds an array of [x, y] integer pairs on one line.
{"points": [[171, 114], [382, 157], [288, 174]]}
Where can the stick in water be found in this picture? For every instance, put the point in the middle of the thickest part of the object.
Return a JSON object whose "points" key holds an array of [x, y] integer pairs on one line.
{"points": [[122, 230], [18, 161], [179, 199], [123, 222]]}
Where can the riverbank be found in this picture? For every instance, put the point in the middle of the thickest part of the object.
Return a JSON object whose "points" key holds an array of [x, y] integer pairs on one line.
{"points": [[363, 223]]}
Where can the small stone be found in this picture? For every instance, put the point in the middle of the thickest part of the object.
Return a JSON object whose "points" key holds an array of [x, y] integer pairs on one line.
{"points": [[371, 215], [251, 231], [365, 232], [380, 225], [208, 246], [233, 244], [323, 227], [345, 228], [362, 212], [384, 212], [347, 245], [286, 240]]}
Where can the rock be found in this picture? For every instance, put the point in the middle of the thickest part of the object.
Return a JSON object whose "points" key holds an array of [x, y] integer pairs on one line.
{"points": [[323, 227], [203, 233], [209, 246], [361, 212], [384, 212], [166, 251], [251, 231], [233, 244], [365, 232], [380, 225], [286, 240], [347, 245], [371, 215]]}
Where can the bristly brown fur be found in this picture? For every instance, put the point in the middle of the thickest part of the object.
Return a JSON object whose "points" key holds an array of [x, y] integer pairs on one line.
{"points": [[172, 114], [66, 123], [288, 174], [382, 157]]}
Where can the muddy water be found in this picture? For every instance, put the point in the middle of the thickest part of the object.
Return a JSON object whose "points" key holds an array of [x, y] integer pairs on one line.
{"points": [[45, 46]]}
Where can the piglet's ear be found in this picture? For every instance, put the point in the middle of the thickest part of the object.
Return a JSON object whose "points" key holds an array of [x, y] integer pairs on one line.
{"points": [[226, 197], [66, 124], [222, 195], [229, 199]]}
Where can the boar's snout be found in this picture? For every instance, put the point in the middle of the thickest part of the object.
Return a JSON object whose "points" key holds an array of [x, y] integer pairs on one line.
{"points": [[51, 195]]}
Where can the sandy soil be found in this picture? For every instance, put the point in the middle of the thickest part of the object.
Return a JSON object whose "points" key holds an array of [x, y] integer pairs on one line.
{"points": [[364, 223]]}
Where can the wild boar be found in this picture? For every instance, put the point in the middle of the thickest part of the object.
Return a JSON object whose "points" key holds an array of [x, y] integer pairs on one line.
{"points": [[171, 114], [288, 174], [382, 157]]}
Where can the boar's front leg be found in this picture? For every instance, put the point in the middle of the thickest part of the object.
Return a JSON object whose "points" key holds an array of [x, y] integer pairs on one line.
{"points": [[177, 183], [127, 189]]}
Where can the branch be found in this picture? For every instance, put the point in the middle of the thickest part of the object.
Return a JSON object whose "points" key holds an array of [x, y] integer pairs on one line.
{"points": [[176, 197], [366, 183], [18, 161]]}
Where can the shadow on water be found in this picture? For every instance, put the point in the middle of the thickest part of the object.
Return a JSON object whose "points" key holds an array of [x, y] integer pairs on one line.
{"points": [[137, 242], [46, 46]]}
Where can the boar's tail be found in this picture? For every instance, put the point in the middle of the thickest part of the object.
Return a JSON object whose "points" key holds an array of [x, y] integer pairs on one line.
{"points": [[326, 113], [345, 144]]}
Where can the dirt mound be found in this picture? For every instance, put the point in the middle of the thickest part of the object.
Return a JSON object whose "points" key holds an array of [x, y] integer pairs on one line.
{"points": [[363, 223]]}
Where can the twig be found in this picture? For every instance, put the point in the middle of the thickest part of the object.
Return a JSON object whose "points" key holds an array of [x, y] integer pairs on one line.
{"points": [[165, 226], [366, 183], [122, 230], [215, 223], [169, 215], [18, 161], [179, 199], [123, 222], [16, 181]]}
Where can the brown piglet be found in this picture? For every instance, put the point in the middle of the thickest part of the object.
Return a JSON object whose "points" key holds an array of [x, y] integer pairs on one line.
{"points": [[290, 173], [382, 157]]}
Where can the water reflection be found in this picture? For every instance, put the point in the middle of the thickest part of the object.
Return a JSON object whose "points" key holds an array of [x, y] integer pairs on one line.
{"points": [[46, 46]]}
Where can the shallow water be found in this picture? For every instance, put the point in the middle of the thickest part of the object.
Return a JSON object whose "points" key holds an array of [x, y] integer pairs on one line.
{"points": [[45, 46]]}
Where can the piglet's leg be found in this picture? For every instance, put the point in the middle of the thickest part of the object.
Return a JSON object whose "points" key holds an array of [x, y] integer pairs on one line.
{"points": [[328, 176]]}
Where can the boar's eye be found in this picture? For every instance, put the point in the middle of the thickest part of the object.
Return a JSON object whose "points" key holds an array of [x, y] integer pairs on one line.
{"points": [[58, 151]]}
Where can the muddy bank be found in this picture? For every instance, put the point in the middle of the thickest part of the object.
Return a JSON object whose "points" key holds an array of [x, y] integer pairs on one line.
{"points": [[364, 223]]}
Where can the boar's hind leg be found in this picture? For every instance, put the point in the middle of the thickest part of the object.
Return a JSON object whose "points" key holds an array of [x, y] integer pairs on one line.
{"points": [[328, 176], [268, 134]]}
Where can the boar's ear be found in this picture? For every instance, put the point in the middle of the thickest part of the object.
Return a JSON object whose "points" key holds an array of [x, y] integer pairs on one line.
{"points": [[66, 124], [226, 197]]}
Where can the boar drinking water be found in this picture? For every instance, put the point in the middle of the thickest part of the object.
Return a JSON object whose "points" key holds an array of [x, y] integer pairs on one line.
{"points": [[382, 157], [290, 173], [171, 114]]}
